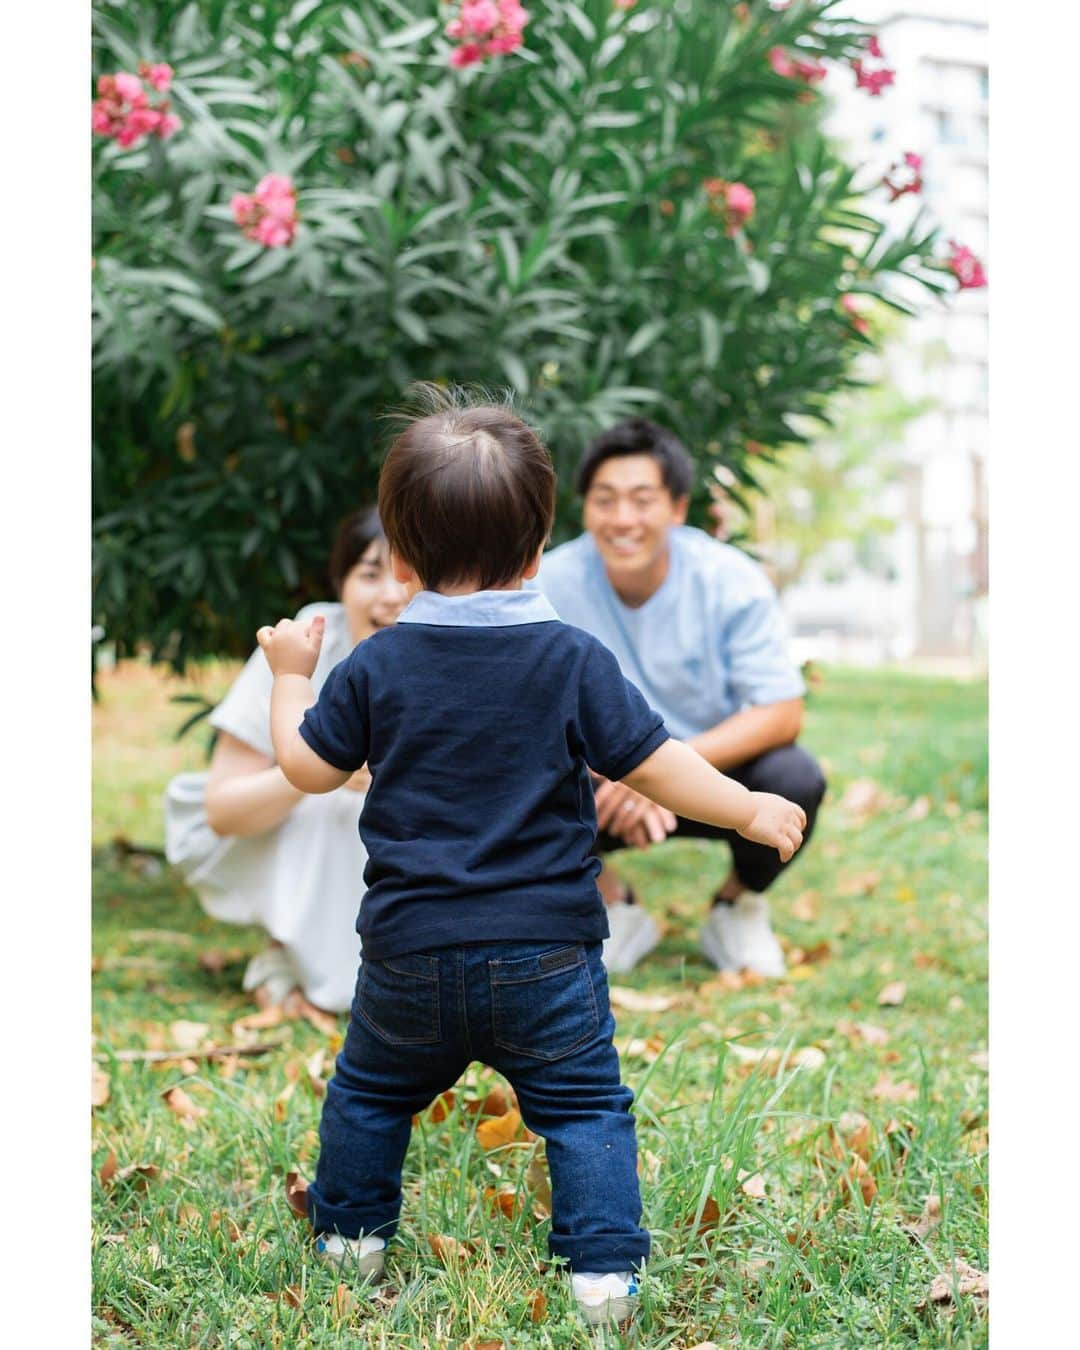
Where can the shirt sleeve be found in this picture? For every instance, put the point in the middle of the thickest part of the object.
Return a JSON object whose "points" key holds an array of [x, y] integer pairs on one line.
{"points": [[337, 728], [755, 647], [618, 728]]}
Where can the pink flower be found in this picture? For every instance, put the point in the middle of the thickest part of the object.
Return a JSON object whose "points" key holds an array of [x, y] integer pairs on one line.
{"points": [[873, 47], [624, 4], [466, 54], [850, 305], [455, 29], [100, 119], [160, 76], [129, 87], [142, 121], [781, 63], [503, 46], [873, 81], [905, 176], [514, 15], [740, 202], [480, 17], [168, 124], [713, 186], [810, 71], [276, 195], [106, 86], [243, 208], [966, 268], [273, 233]]}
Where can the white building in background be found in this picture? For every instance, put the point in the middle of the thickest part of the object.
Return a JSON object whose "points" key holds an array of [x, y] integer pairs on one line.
{"points": [[938, 108]]}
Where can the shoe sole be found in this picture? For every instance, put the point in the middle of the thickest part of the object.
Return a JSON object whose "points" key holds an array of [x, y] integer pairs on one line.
{"points": [[613, 1310], [644, 940]]}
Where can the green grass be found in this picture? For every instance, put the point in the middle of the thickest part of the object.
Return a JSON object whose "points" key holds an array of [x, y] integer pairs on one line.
{"points": [[899, 895]]}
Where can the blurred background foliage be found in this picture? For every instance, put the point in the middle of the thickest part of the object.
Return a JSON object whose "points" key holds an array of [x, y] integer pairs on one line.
{"points": [[538, 221]]}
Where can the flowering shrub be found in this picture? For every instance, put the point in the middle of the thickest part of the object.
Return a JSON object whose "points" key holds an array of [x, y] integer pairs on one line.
{"points": [[634, 215], [904, 176], [123, 112]]}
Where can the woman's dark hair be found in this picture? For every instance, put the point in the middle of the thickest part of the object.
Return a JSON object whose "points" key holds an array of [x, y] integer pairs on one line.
{"points": [[639, 436], [355, 535], [467, 491]]}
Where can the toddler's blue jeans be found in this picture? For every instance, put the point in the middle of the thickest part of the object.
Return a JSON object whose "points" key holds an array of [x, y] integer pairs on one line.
{"points": [[537, 1012]]}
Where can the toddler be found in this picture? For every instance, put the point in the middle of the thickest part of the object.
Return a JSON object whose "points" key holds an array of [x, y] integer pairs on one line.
{"points": [[479, 716]]}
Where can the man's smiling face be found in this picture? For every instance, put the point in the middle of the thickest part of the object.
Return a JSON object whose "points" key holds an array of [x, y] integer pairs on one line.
{"points": [[628, 512]]}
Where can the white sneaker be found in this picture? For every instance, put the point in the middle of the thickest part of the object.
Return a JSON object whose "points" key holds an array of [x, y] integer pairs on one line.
{"points": [[360, 1256], [633, 935], [738, 937], [273, 971], [605, 1298]]}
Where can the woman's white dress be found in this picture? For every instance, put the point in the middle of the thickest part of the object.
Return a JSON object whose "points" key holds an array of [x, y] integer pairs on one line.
{"points": [[301, 881]]}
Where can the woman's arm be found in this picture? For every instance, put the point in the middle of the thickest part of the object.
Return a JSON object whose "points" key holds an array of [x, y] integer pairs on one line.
{"points": [[246, 793]]}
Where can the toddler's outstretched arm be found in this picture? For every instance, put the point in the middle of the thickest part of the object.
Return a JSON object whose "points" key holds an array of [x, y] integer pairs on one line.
{"points": [[677, 777], [292, 650]]}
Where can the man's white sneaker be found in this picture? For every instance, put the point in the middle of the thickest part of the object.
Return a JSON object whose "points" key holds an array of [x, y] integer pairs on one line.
{"points": [[272, 972], [605, 1298], [738, 937], [633, 935], [359, 1256]]}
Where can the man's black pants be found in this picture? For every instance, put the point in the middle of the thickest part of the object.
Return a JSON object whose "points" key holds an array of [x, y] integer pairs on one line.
{"points": [[788, 771]]}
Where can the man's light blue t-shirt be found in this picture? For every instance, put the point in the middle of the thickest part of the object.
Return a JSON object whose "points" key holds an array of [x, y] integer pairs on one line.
{"points": [[710, 641]]}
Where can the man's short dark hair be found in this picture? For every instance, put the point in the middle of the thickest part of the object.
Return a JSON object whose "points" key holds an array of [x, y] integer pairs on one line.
{"points": [[467, 492], [639, 436]]}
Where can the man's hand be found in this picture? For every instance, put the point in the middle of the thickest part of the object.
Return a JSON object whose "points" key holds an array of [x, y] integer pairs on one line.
{"points": [[777, 823], [293, 648], [629, 816]]}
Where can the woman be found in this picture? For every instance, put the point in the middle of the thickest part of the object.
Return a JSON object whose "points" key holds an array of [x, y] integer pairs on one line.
{"points": [[255, 850]]}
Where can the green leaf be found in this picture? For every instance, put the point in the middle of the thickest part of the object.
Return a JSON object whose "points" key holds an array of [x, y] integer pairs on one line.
{"points": [[408, 37], [195, 309], [645, 336]]}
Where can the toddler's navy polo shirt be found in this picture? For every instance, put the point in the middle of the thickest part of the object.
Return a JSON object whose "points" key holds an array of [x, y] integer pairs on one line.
{"points": [[479, 717]]}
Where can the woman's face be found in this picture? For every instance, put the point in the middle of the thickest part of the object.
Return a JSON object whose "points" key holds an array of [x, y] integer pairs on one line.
{"points": [[371, 596]]}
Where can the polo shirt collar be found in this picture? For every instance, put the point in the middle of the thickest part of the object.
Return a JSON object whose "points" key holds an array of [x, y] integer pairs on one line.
{"points": [[480, 609]]}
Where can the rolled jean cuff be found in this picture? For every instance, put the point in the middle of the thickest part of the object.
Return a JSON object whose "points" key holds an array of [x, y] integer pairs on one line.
{"points": [[602, 1253], [350, 1221]]}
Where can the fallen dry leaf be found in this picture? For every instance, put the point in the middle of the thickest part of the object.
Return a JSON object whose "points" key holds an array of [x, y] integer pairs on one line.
{"points": [[181, 1104], [754, 1186], [710, 1216], [862, 883], [705, 1345], [648, 1166], [863, 1031], [189, 1216], [225, 1224], [928, 1220], [259, 1021], [725, 982], [885, 1090], [859, 1175], [634, 1000], [188, 1035], [919, 808], [856, 1132], [959, 1279], [99, 1088], [864, 798], [539, 1182], [343, 1302], [538, 1306], [893, 994], [771, 1059], [649, 1050], [292, 1295], [108, 1169], [448, 1249], [499, 1130], [806, 907], [296, 1194], [501, 1201], [138, 1173]]}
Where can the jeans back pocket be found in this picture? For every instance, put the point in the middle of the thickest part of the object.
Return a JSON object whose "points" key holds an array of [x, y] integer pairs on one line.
{"points": [[399, 999], [543, 1006]]}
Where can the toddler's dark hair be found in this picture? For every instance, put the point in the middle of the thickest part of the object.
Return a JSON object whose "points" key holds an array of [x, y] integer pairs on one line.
{"points": [[467, 491]]}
